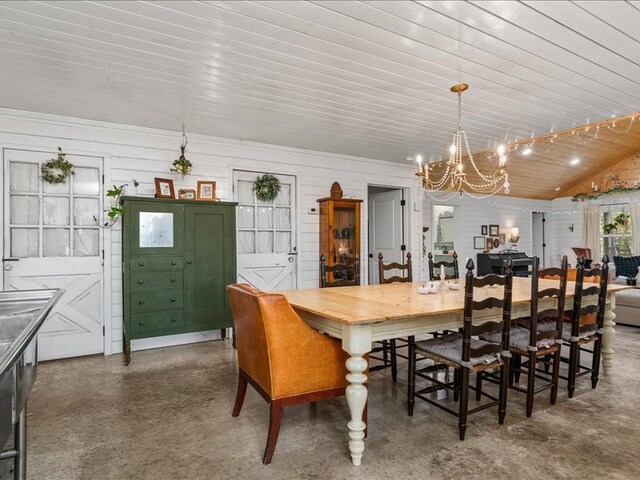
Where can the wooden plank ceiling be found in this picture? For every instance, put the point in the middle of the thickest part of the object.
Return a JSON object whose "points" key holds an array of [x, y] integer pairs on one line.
{"points": [[369, 79]]}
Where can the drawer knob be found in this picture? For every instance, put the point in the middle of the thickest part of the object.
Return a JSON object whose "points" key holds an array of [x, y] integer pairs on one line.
{"points": [[140, 302], [174, 319], [141, 263], [173, 299], [141, 322], [140, 282], [173, 262], [189, 262], [173, 280]]}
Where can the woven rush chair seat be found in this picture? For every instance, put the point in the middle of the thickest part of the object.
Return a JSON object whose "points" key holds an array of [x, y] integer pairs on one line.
{"points": [[519, 338], [466, 353]]}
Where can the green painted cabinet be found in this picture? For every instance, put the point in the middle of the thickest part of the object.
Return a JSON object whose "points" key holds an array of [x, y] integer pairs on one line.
{"points": [[177, 257]]}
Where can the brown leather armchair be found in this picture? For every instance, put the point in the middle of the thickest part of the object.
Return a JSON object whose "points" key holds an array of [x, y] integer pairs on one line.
{"points": [[284, 359]]}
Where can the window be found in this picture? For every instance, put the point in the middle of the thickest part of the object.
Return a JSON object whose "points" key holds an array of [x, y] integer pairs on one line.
{"points": [[615, 230]]}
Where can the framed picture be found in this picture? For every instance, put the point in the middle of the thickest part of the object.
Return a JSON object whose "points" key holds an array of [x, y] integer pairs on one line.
{"points": [[489, 244], [483, 230], [478, 243], [503, 238], [206, 190], [494, 230], [187, 194], [164, 188]]}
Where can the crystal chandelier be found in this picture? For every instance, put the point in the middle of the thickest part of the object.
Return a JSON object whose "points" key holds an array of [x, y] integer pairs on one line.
{"points": [[442, 180]]}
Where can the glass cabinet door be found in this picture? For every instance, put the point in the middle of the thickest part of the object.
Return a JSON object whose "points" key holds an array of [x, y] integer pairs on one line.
{"points": [[154, 228]]}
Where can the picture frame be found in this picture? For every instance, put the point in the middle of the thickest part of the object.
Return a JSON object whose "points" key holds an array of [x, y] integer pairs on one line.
{"points": [[494, 230], [503, 238], [206, 190], [483, 230], [187, 194], [489, 244], [164, 188], [478, 243]]}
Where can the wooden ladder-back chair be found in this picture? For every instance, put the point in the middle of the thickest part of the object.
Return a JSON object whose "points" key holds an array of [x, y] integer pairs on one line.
{"points": [[583, 252], [281, 357], [342, 274], [538, 338], [587, 322], [468, 355], [385, 351], [434, 268]]}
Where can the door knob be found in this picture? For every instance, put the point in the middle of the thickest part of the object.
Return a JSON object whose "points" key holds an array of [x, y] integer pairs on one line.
{"points": [[8, 266]]}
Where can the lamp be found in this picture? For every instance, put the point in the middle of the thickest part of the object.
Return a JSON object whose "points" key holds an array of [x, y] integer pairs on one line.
{"points": [[442, 180], [514, 235]]}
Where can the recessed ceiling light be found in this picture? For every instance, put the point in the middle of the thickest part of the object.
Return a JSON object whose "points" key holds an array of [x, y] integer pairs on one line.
{"points": [[575, 161], [526, 151], [557, 189]]}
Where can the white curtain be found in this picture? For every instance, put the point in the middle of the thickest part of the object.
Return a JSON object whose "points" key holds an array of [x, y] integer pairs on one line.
{"points": [[634, 210], [591, 231]]}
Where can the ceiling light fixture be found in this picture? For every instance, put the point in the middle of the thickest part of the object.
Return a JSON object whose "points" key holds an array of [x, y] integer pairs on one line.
{"points": [[575, 161], [442, 180], [527, 150]]}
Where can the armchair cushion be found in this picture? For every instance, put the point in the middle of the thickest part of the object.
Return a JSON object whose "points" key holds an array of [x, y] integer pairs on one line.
{"points": [[626, 266]]}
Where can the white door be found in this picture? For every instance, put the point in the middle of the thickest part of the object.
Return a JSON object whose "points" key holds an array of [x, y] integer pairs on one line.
{"points": [[267, 255], [52, 241], [538, 246], [386, 230]]}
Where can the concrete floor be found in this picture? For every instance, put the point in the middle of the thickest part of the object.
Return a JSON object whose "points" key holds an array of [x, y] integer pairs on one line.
{"points": [[168, 416]]}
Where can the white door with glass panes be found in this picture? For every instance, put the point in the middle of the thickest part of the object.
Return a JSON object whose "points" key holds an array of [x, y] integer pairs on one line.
{"points": [[52, 241], [267, 255]]}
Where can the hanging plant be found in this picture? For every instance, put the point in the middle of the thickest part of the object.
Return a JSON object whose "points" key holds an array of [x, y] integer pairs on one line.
{"points": [[267, 187], [181, 165], [116, 211], [57, 169]]}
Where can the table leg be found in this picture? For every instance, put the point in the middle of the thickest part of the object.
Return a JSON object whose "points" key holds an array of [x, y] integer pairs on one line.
{"points": [[608, 335], [20, 440], [357, 399]]}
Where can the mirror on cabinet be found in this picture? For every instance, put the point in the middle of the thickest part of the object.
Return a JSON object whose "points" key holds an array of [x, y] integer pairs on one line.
{"points": [[445, 232]]}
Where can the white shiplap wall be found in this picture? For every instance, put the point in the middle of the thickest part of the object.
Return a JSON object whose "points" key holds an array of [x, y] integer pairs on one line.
{"points": [[142, 153]]}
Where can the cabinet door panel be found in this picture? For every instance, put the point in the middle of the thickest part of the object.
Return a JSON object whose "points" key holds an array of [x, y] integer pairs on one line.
{"points": [[210, 258], [154, 229]]}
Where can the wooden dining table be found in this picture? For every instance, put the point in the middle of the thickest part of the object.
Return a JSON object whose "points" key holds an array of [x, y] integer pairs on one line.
{"points": [[359, 315]]}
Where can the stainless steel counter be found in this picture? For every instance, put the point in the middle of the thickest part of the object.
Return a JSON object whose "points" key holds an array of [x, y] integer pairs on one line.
{"points": [[22, 313]]}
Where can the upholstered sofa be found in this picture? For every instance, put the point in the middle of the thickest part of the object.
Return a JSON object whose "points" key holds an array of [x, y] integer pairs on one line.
{"points": [[627, 301]]}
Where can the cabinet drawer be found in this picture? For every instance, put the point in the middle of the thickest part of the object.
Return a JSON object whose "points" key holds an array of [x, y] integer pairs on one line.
{"points": [[150, 324], [145, 281], [157, 300], [143, 264]]}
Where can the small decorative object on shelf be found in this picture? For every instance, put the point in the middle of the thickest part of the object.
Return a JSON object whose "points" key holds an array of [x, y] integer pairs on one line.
{"points": [[181, 165], [187, 194], [206, 190], [336, 191], [57, 169], [116, 211], [267, 187], [164, 188]]}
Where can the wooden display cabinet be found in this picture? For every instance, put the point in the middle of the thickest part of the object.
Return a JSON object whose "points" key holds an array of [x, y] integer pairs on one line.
{"points": [[339, 230]]}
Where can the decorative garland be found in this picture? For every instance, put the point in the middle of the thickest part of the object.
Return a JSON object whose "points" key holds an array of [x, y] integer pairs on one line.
{"points": [[266, 187], [181, 165], [593, 196], [57, 169]]}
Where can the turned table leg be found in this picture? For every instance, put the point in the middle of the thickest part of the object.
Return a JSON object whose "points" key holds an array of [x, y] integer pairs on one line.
{"points": [[608, 335]]}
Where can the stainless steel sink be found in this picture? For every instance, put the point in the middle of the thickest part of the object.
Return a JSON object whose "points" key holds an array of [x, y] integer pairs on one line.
{"points": [[22, 313]]}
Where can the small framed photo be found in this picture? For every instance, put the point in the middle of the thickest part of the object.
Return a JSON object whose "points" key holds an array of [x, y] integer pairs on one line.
{"points": [[494, 230], [478, 243], [164, 188], [503, 238], [206, 190], [489, 244], [483, 230], [187, 194]]}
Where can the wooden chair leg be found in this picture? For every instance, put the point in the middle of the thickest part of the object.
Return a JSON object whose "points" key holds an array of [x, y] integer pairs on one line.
{"points": [[464, 401], [555, 376], [504, 388], [517, 366], [595, 365], [394, 360], [275, 419], [411, 381], [531, 382], [242, 390], [478, 386], [573, 365], [456, 384]]}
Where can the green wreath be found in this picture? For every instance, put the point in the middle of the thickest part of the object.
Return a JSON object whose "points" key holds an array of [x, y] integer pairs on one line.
{"points": [[57, 169], [266, 187]]}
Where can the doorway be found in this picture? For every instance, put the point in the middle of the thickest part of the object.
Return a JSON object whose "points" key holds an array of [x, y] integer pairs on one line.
{"points": [[52, 241], [538, 237], [386, 227], [267, 252]]}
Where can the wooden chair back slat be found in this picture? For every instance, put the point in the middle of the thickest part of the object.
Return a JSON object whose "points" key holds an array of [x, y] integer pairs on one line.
{"points": [[407, 273], [339, 271], [434, 267]]}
